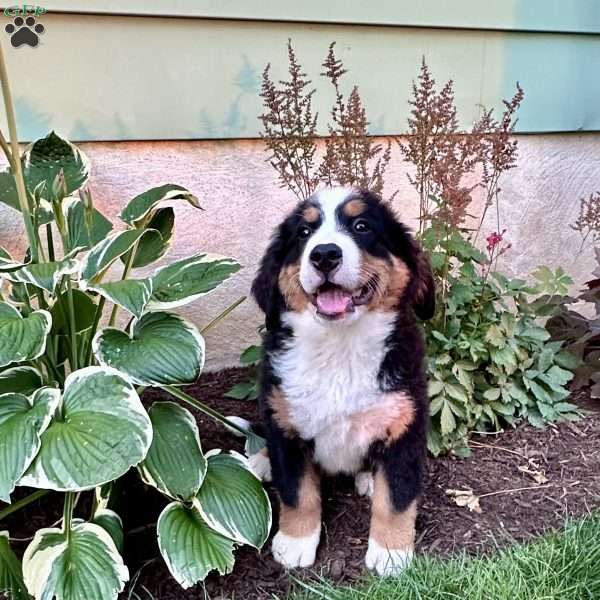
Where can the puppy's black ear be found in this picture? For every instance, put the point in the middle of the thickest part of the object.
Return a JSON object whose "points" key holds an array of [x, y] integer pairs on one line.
{"points": [[265, 287], [424, 286]]}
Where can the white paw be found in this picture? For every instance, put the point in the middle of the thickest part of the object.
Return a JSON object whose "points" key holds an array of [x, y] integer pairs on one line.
{"points": [[364, 483], [260, 465], [292, 552], [387, 562]]}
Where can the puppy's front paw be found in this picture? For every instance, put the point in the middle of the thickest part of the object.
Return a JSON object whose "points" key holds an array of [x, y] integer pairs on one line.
{"points": [[292, 552], [387, 562], [364, 483]]}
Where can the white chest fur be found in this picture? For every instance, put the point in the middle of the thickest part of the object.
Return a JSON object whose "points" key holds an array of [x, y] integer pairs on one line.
{"points": [[329, 373]]}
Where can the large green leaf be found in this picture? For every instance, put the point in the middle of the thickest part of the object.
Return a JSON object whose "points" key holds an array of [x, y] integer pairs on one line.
{"points": [[185, 280], [162, 349], [104, 253], [22, 422], [141, 205], [82, 565], [174, 464], [233, 501], [190, 547], [157, 240], [103, 432], [131, 294], [21, 338], [45, 275], [85, 230], [49, 156], [111, 522], [11, 574], [20, 380]]}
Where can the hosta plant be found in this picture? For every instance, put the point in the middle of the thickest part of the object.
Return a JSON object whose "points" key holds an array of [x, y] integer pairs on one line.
{"points": [[71, 419]]}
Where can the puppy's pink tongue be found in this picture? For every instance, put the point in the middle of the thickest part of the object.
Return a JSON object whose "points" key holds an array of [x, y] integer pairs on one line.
{"points": [[333, 302]]}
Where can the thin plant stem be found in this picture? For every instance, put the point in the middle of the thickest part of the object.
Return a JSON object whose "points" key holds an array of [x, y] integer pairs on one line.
{"points": [[68, 513], [88, 352], [6, 149], [73, 333], [22, 503], [50, 241], [18, 172], [221, 316], [174, 391]]}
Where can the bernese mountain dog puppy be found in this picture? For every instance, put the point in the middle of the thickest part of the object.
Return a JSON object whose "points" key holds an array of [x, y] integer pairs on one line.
{"points": [[342, 382]]}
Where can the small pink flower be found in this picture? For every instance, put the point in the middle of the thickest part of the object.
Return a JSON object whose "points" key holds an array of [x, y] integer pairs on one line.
{"points": [[494, 240]]}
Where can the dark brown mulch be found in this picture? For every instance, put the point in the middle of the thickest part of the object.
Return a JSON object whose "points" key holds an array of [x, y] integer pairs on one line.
{"points": [[513, 505]]}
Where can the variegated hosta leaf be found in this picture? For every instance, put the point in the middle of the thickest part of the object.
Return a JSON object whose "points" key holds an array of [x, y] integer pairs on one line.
{"points": [[44, 275], [85, 564], [163, 349], [141, 205], [185, 280], [157, 240], [12, 585], [8, 263], [130, 294], [85, 229], [49, 156], [22, 422], [8, 195], [174, 464], [104, 253], [20, 380], [84, 308], [111, 522], [22, 338], [190, 547], [233, 501], [103, 432]]}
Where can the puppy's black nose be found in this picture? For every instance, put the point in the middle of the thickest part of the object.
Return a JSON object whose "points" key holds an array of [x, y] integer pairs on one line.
{"points": [[326, 257]]}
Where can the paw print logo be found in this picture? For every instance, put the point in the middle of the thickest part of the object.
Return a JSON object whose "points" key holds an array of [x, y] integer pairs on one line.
{"points": [[24, 31]]}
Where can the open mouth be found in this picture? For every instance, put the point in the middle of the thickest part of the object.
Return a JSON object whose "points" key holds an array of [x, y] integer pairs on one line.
{"points": [[335, 302]]}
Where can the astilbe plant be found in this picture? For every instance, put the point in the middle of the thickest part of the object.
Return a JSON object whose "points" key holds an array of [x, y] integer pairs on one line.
{"points": [[290, 131], [351, 155], [71, 419], [289, 128]]}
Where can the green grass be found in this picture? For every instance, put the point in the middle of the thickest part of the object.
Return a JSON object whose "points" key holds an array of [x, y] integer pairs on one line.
{"points": [[561, 566]]}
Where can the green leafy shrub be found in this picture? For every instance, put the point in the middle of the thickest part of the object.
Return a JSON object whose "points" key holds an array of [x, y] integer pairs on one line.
{"points": [[490, 362], [579, 326], [71, 419]]}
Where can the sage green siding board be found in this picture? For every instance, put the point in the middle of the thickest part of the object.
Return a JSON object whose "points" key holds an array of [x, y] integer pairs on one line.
{"points": [[520, 15], [137, 78]]}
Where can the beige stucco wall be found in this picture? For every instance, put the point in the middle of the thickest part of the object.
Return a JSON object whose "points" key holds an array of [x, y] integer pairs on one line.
{"points": [[243, 202]]}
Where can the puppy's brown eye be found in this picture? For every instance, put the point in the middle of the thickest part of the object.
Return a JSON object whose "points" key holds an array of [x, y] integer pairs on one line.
{"points": [[304, 231], [361, 226]]}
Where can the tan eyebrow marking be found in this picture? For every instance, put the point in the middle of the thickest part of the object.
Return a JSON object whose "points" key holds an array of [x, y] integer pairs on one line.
{"points": [[355, 207], [311, 214]]}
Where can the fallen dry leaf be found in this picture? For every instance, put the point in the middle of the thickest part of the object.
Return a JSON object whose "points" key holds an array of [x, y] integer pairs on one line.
{"points": [[465, 498], [536, 474]]}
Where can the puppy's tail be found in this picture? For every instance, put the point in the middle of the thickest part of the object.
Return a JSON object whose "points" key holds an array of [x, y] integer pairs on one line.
{"points": [[259, 462]]}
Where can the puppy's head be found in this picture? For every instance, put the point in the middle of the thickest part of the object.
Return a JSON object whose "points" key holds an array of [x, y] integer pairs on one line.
{"points": [[339, 255]]}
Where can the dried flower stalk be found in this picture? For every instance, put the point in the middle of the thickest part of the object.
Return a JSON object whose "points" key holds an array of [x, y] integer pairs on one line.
{"points": [[290, 128]]}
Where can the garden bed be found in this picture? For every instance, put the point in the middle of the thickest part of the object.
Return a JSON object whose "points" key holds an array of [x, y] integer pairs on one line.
{"points": [[567, 455]]}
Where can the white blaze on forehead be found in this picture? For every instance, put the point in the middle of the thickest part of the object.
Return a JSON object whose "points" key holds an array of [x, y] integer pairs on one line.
{"points": [[331, 232]]}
